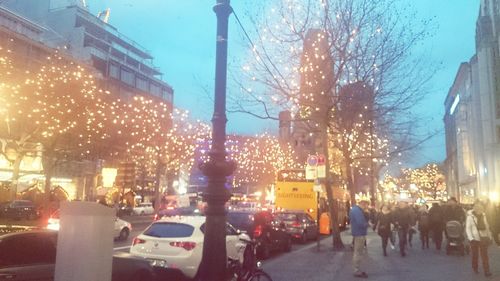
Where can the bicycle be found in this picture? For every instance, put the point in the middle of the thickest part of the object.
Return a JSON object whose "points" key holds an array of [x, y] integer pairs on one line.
{"points": [[247, 268]]}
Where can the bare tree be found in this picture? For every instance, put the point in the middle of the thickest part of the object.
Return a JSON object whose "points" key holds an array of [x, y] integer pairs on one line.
{"points": [[347, 69]]}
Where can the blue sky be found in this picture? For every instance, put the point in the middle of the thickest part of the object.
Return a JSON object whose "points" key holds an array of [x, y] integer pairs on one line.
{"points": [[181, 37]]}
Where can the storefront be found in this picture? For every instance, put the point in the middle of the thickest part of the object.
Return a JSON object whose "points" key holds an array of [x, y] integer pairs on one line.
{"points": [[31, 177]]}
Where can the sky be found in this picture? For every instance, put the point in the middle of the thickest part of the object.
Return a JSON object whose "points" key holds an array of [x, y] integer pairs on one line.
{"points": [[181, 37]]}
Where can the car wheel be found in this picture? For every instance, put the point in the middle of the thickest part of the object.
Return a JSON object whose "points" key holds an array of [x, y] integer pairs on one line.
{"points": [[142, 213], [124, 234], [142, 276]]}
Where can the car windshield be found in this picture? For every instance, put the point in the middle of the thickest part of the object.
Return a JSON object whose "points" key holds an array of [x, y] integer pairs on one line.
{"points": [[241, 221], [169, 230], [288, 217]]}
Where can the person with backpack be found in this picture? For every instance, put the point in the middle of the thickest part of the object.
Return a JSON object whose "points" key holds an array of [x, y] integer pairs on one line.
{"points": [[436, 219], [424, 226]]}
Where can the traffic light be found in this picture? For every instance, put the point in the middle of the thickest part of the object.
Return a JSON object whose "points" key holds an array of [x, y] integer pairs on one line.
{"points": [[126, 175]]}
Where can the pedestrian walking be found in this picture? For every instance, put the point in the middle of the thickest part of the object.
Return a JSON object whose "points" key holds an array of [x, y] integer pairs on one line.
{"points": [[383, 226], [436, 218], [412, 228], [423, 226], [403, 219], [359, 230], [394, 231], [479, 235]]}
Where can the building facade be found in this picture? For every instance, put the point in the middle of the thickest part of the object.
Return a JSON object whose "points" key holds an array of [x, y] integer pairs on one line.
{"points": [[34, 30], [472, 115], [127, 67]]}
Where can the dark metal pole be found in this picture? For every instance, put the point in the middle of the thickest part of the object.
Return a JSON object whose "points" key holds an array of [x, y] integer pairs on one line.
{"points": [[213, 263]]}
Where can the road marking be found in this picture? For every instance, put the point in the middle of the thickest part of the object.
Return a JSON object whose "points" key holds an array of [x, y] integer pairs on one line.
{"points": [[121, 248]]}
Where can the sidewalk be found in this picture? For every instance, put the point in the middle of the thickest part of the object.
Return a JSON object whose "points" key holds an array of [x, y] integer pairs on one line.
{"points": [[419, 265]]}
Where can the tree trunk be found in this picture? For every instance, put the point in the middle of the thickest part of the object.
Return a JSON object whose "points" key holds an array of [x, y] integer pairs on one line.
{"points": [[336, 238], [350, 181], [15, 175], [48, 170], [159, 169]]}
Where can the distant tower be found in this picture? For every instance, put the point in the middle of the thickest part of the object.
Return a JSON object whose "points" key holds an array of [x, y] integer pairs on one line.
{"points": [[316, 68]]}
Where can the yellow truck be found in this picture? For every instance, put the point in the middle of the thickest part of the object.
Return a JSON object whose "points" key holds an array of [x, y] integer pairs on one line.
{"points": [[294, 192]]}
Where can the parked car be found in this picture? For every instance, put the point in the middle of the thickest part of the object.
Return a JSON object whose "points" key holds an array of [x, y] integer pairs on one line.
{"points": [[171, 211], [124, 210], [299, 225], [178, 242], [144, 209], [122, 228], [267, 230], [19, 209], [31, 256], [6, 229]]}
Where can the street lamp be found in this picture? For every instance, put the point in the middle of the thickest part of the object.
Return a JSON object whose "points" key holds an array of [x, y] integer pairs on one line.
{"points": [[213, 263]]}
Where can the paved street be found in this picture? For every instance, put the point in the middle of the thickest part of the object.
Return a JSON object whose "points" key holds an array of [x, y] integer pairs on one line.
{"points": [[419, 265]]}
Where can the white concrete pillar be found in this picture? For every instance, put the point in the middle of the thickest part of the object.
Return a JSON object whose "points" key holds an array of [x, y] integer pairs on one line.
{"points": [[85, 242]]}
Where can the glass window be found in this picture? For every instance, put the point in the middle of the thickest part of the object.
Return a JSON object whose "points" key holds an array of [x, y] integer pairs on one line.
{"points": [[127, 77], [155, 90], [242, 221], [287, 217], [167, 96], [114, 71], [142, 84], [169, 230]]}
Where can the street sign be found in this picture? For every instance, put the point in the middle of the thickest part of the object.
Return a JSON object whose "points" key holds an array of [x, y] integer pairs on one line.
{"points": [[321, 160], [321, 171], [312, 160], [311, 172]]}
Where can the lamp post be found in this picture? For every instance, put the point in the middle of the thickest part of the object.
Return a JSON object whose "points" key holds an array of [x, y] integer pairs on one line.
{"points": [[213, 263]]}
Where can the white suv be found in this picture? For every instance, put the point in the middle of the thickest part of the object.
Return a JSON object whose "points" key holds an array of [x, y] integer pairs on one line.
{"points": [[177, 242], [144, 209]]}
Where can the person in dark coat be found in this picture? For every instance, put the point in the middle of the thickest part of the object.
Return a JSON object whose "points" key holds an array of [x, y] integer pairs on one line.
{"points": [[383, 226], [454, 212], [403, 218], [424, 226], [437, 223]]}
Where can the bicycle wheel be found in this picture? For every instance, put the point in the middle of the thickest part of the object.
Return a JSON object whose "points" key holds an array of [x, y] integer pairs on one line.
{"points": [[259, 275]]}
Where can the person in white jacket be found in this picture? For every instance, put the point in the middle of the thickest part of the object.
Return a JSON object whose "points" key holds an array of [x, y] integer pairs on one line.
{"points": [[476, 226]]}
